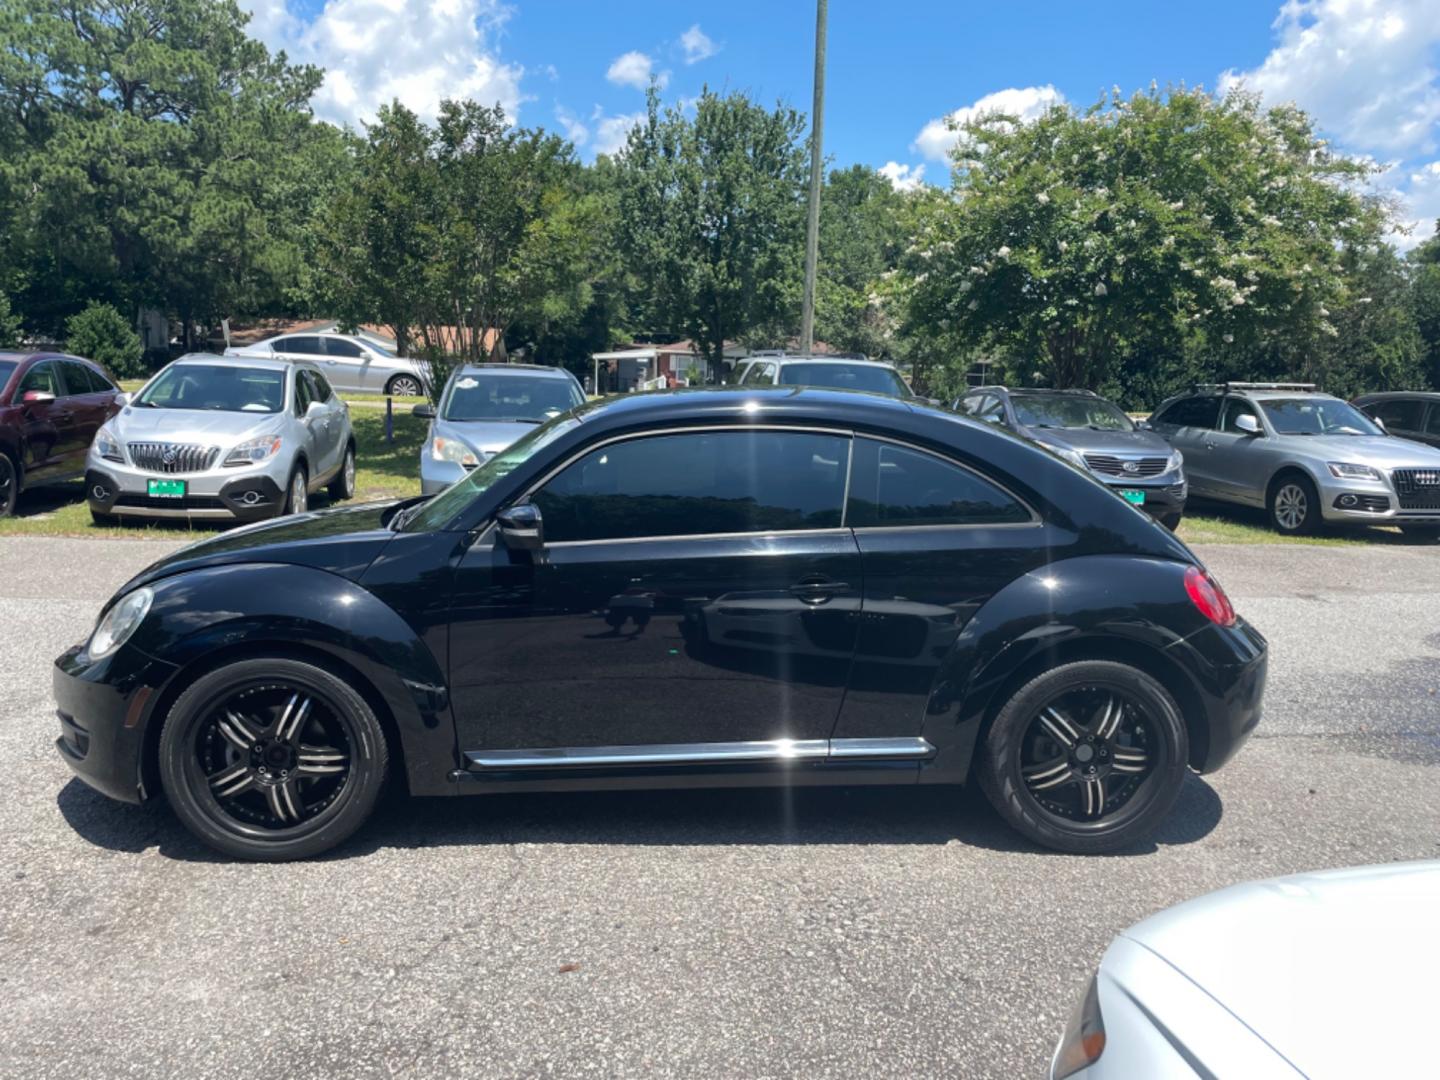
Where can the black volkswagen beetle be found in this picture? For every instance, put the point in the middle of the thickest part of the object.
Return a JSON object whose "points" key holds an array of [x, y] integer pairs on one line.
{"points": [[693, 589]]}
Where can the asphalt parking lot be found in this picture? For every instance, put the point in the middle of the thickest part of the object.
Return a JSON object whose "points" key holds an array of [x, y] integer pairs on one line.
{"points": [[869, 933]]}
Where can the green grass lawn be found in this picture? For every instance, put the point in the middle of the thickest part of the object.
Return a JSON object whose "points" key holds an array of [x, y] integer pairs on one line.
{"points": [[1209, 523], [383, 471]]}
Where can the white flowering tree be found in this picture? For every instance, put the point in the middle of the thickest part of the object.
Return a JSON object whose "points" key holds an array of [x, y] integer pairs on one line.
{"points": [[1166, 223]]}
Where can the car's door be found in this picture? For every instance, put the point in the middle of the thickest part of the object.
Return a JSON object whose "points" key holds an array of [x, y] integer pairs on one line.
{"points": [[937, 540], [88, 396], [695, 587], [327, 422], [349, 365], [310, 425], [46, 422], [1231, 455], [1186, 424]]}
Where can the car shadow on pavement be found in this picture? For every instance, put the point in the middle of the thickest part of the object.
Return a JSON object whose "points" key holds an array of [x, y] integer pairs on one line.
{"points": [[798, 816]]}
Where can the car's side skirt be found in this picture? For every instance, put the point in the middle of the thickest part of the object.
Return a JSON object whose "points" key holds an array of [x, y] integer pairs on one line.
{"points": [[711, 753]]}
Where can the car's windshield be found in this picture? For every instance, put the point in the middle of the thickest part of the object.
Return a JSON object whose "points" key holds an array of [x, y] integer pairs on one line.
{"points": [[1317, 416], [503, 396], [457, 496], [872, 377], [1056, 411], [216, 387]]}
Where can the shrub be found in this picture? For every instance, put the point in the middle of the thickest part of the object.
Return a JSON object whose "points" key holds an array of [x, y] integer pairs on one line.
{"points": [[101, 333], [9, 325]]}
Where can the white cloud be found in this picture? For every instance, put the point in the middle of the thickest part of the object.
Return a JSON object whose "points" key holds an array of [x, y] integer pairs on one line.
{"points": [[611, 132], [1418, 189], [420, 51], [903, 177], [570, 124], [697, 45], [936, 139], [1362, 68], [635, 69]]}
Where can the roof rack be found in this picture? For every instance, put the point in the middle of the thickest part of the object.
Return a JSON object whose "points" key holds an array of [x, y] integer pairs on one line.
{"points": [[1307, 387], [786, 354]]}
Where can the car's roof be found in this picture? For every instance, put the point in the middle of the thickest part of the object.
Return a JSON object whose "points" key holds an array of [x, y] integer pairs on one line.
{"points": [[18, 356], [523, 369], [1255, 395], [838, 361], [1391, 395], [753, 403]]}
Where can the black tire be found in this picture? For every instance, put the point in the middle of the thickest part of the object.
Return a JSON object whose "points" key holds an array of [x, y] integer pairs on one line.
{"points": [[297, 499], [9, 486], [1148, 725], [1289, 493], [343, 486], [197, 745], [99, 517], [1421, 534], [404, 386], [1170, 521]]}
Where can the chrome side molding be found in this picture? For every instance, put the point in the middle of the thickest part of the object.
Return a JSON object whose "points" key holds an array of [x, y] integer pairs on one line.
{"points": [[712, 753]]}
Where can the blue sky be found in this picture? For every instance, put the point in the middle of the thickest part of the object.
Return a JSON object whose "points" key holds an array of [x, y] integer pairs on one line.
{"points": [[1367, 69]]}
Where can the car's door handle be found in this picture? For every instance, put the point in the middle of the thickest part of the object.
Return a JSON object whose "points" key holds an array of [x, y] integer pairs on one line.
{"points": [[817, 590], [1209, 446]]}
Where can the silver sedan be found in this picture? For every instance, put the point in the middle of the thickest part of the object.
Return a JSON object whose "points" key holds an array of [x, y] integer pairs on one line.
{"points": [[1320, 975], [222, 439]]}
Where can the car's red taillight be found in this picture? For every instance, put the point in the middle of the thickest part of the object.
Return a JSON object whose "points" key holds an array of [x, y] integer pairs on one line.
{"points": [[1207, 595]]}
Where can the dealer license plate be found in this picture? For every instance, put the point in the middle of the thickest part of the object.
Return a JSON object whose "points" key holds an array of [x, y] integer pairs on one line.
{"points": [[165, 489], [1130, 495]]}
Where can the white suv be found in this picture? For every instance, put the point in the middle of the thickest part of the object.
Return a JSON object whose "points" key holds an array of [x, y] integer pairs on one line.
{"points": [[350, 361]]}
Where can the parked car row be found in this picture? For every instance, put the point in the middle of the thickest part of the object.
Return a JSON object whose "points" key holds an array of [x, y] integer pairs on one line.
{"points": [[353, 363]]}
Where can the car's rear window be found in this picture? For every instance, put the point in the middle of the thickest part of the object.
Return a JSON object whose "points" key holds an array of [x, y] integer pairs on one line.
{"points": [[871, 377]]}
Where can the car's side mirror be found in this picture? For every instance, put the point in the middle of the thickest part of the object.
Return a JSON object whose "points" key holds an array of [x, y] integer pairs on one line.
{"points": [[37, 397], [1380, 424], [122, 399], [1247, 424], [521, 528], [1144, 425], [424, 412], [315, 408]]}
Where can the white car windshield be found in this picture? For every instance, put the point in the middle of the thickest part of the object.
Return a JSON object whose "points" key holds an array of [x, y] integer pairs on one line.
{"points": [[215, 388], [488, 396], [1317, 416]]}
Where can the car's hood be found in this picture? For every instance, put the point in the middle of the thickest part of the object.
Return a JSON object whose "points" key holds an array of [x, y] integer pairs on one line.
{"points": [[1088, 441], [343, 541], [189, 425], [486, 436], [1382, 451], [1340, 962]]}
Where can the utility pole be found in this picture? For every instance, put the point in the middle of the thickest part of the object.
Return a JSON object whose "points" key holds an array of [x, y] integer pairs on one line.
{"points": [[817, 164]]}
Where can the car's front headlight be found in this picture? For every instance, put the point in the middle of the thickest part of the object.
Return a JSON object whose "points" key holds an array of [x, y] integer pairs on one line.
{"points": [[1074, 457], [1084, 1038], [1346, 470], [108, 446], [119, 623], [253, 450], [1175, 460], [443, 449]]}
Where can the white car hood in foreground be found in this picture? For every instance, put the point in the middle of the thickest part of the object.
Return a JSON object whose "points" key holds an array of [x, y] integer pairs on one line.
{"points": [[1335, 970]]}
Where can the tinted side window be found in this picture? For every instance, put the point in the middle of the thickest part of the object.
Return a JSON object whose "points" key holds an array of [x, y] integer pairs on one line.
{"points": [[44, 378], [893, 485], [1200, 412], [302, 393], [99, 383], [1432, 424], [992, 410], [80, 380], [760, 375], [309, 346], [1235, 408], [1399, 415], [319, 388], [696, 483], [341, 347]]}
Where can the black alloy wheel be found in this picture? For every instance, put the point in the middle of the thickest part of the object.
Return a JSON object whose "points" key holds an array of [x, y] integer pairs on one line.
{"points": [[272, 759], [9, 486], [1087, 757]]}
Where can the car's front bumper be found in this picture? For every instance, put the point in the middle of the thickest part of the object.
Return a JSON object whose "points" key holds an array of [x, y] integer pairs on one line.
{"points": [[103, 706], [250, 493], [1164, 495], [436, 476], [1375, 502]]}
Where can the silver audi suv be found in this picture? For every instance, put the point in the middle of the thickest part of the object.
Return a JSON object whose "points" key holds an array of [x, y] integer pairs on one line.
{"points": [[1306, 458], [223, 439]]}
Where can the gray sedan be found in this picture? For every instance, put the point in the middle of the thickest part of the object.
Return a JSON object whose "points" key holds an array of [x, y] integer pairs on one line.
{"points": [[483, 409], [1329, 974], [1306, 458]]}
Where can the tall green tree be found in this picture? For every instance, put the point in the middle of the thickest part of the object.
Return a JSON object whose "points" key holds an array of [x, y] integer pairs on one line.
{"points": [[711, 217], [1425, 303], [1085, 237], [861, 240]]}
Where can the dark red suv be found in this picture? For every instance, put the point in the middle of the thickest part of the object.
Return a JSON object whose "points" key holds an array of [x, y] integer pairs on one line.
{"points": [[51, 406]]}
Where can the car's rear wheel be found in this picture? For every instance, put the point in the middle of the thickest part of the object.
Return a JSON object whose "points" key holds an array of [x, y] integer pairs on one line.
{"points": [[1087, 757], [297, 497], [1170, 521], [1424, 534], [403, 386], [1294, 505], [272, 759], [9, 486], [343, 486]]}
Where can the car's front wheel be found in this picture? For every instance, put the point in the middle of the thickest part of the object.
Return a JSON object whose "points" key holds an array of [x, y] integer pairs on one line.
{"points": [[1086, 757], [1294, 505], [297, 497], [1421, 534], [9, 486], [1171, 521], [272, 759]]}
